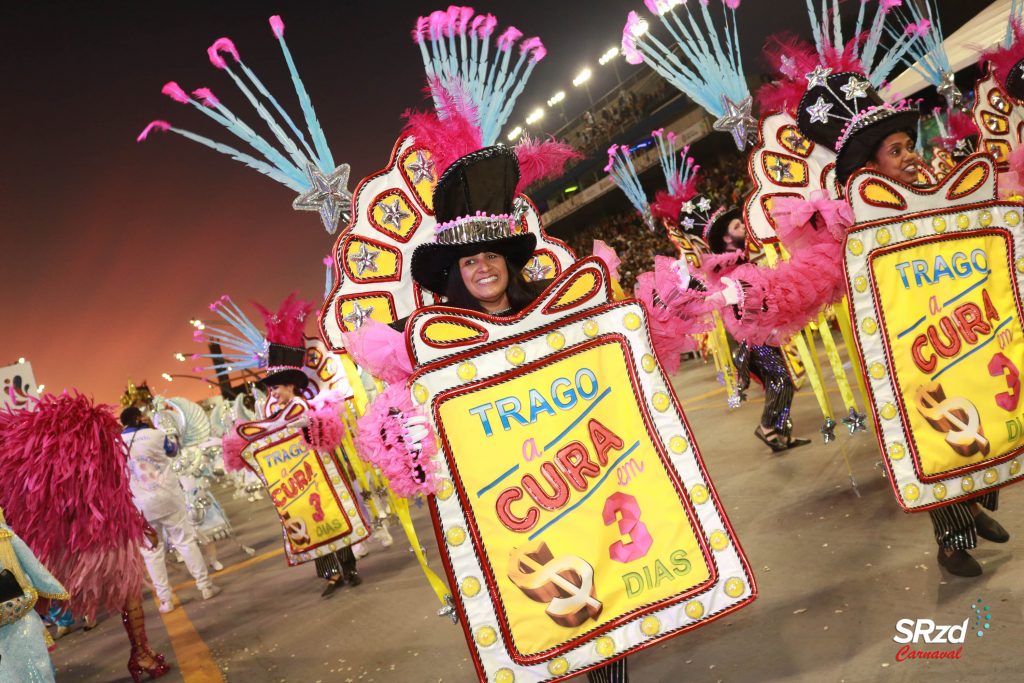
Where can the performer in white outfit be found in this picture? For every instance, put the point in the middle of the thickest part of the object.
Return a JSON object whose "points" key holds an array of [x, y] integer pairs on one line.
{"points": [[158, 495]]}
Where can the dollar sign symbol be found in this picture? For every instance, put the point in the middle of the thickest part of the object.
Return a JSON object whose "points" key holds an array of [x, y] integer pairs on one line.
{"points": [[956, 417], [565, 583]]}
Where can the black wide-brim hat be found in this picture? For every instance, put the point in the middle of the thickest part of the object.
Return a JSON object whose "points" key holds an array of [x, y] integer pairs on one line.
{"points": [[284, 366], [473, 205], [862, 144]]}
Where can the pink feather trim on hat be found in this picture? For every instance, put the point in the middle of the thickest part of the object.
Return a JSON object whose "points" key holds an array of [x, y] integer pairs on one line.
{"points": [[1003, 58], [287, 325], [451, 132], [542, 159], [801, 58]]}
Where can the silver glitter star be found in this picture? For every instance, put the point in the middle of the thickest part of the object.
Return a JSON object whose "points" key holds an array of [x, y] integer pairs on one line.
{"points": [[788, 67], [536, 271], [688, 223], [819, 110], [393, 214], [828, 430], [855, 88], [704, 204], [422, 169], [687, 207], [948, 89], [449, 609], [328, 195], [734, 400], [781, 171], [364, 260], [817, 77], [856, 422], [796, 141], [737, 120], [358, 316]]}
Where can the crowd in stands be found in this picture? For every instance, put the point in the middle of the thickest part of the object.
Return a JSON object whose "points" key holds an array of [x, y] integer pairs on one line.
{"points": [[598, 128], [635, 244]]}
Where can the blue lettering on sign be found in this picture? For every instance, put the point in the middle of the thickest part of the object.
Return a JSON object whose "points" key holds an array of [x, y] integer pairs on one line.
{"points": [[563, 394], [960, 265]]}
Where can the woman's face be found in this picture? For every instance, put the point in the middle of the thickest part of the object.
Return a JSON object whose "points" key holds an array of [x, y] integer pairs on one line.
{"points": [[283, 392], [896, 158], [486, 278]]}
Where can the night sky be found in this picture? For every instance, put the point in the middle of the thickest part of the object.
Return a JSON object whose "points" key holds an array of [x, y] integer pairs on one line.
{"points": [[109, 247]]}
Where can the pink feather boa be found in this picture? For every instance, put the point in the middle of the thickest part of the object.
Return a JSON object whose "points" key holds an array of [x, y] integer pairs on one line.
{"points": [[542, 159], [325, 429], [65, 492], [382, 441], [379, 350], [233, 445], [286, 325], [1002, 58], [778, 302], [674, 314]]}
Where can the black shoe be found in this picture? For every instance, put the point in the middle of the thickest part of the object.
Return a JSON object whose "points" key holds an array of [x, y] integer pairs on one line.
{"points": [[773, 442], [797, 443], [354, 579], [331, 587], [990, 529], [959, 563]]}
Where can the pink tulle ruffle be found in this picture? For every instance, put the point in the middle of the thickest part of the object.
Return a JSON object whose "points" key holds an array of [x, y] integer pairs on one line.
{"points": [[379, 350], [233, 445], [383, 440]]}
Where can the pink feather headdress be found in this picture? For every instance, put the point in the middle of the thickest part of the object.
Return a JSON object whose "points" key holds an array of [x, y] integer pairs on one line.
{"points": [[286, 326]]}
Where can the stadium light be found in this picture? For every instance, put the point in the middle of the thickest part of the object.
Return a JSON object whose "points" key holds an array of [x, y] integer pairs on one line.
{"points": [[179, 356], [40, 388], [556, 98], [582, 77], [167, 377], [640, 28], [515, 133], [608, 56], [21, 360], [535, 116]]}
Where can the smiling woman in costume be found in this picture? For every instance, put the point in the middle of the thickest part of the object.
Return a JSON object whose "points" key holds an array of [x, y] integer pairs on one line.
{"points": [[881, 137]]}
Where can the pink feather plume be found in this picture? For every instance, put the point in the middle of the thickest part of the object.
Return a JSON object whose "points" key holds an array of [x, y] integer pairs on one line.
{"points": [[287, 325], [277, 26], [161, 126], [206, 96], [233, 445], [784, 94], [65, 492], [1011, 181], [451, 132], [507, 39], [1003, 59], [222, 45], [380, 350], [542, 159], [175, 92], [609, 256]]}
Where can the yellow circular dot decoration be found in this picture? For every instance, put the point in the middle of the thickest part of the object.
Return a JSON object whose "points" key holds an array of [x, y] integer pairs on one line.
{"points": [[985, 218], [734, 587], [631, 321], [470, 586], [486, 636], [860, 283], [467, 370], [678, 444], [877, 370], [883, 236], [967, 483], [558, 666], [963, 221], [888, 411], [604, 646], [660, 401], [897, 451], [650, 626], [456, 535], [990, 476], [694, 609], [699, 494], [911, 492], [869, 326], [446, 489], [855, 246], [590, 328], [1020, 265], [419, 392], [504, 676], [336, 480], [1012, 218], [515, 355], [556, 340], [719, 541], [908, 229], [648, 363], [939, 491], [1015, 468], [939, 224]]}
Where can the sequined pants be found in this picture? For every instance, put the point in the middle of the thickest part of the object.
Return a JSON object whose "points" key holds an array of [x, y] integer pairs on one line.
{"points": [[769, 365], [616, 672], [954, 523], [342, 562]]}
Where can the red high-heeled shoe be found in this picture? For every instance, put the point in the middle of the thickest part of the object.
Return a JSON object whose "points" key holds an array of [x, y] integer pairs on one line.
{"points": [[159, 668]]}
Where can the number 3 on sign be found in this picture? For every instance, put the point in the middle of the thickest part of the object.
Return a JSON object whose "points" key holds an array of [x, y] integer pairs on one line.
{"points": [[624, 507], [1002, 366]]}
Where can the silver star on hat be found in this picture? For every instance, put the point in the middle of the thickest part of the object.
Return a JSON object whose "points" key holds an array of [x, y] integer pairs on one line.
{"points": [[328, 195], [855, 88], [422, 169], [819, 111], [737, 120], [816, 78], [536, 271]]}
